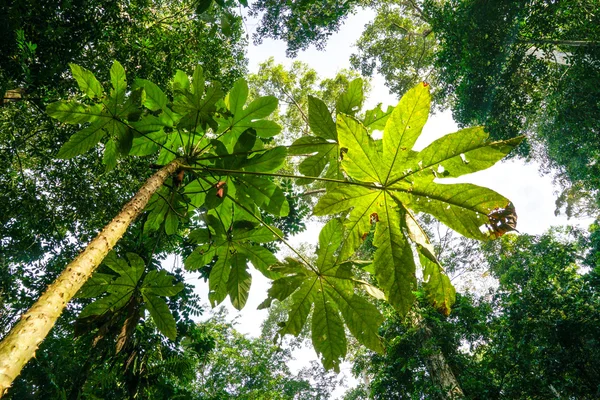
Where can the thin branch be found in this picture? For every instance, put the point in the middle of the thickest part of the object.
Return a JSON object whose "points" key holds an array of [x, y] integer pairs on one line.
{"points": [[281, 238], [149, 138], [233, 171]]}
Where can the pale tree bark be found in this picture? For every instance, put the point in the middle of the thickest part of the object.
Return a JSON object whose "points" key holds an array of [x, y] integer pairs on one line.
{"points": [[439, 371], [19, 346]]}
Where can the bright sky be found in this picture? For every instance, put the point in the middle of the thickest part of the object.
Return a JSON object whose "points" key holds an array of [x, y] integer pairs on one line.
{"points": [[532, 195]]}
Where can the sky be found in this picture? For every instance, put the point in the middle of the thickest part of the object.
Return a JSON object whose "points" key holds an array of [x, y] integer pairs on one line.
{"points": [[533, 195]]}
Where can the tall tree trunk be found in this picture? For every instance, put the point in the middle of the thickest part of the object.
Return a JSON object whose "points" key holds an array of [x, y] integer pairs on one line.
{"points": [[440, 372], [24, 338]]}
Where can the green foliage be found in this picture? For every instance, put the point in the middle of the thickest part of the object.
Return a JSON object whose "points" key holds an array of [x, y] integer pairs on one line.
{"points": [[399, 44], [389, 180], [532, 337], [109, 116], [240, 367], [300, 23], [328, 285], [225, 184], [123, 289], [142, 35]]}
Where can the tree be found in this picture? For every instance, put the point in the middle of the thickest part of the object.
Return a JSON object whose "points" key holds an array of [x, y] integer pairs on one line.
{"points": [[532, 337], [491, 67], [399, 44], [41, 40], [244, 368], [213, 157], [300, 23]]}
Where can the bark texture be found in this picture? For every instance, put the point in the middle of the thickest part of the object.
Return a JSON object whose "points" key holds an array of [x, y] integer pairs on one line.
{"points": [[440, 372], [21, 343]]}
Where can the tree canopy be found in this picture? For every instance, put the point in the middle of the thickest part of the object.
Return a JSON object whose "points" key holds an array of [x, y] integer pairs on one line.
{"points": [[133, 139]]}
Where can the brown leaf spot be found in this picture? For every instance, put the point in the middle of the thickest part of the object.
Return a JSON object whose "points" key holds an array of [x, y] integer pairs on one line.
{"points": [[374, 218], [502, 220]]}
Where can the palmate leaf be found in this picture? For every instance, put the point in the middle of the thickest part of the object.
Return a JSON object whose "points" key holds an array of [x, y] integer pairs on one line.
{"points": [[119, 289], [250, 117], [389, 179], [126, 287], [161, 315], [109, 117], [231, 242], [327, 288]]}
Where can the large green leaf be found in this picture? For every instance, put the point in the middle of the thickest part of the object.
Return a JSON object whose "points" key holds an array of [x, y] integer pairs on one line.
{"points": [[251, 116], [160, 283], [327, 286], [87, 82], [111, 116], [234, 245], [161, 315], [238, 283], [388, 179]]}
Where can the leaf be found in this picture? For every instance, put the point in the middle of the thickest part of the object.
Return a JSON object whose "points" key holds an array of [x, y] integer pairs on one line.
{"points": [[270, 161], [440, 292], [146, 145], [463, 207], [219, 276], [161, 315], [132, 271], [203, 5], [394, 262], [351, 100], [389, 179], [158, 210], [72, 112], [238, 283], [95, 286], [260, 258], [461, 153], [264, 193], [328, 287], [201, 256], [159, 283], [109, 159], [319, 119], [403, 128], [246, 118], [376, 118], [110, 303], [328, 336], [118, 81], [156, 99], [180, 81], [83, 141], [87, 82], [362, 161]]}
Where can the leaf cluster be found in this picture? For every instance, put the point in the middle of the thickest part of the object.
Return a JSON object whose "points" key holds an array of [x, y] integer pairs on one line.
{"points": [[228, 178]]}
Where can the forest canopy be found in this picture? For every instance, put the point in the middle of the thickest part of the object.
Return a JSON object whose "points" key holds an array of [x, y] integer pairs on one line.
{"points": [[140, 157]]}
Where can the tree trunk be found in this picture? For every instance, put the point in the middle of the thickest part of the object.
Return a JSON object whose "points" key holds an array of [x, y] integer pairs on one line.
{"points": [[24, 338], [440, 372]]}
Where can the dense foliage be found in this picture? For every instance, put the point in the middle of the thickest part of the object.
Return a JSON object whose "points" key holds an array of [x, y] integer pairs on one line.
{"points": [[248, 161], [533, 337]]}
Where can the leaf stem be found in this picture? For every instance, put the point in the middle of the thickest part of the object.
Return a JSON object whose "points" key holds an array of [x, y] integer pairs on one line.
{"points": [[234, 171], [281, 238]]}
